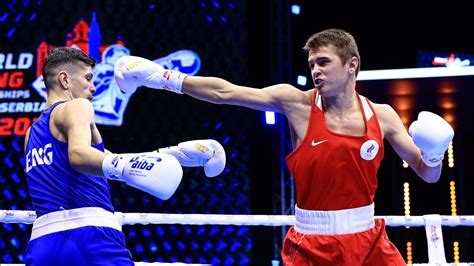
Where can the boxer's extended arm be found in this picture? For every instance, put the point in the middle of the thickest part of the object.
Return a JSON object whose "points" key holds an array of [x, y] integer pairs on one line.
{"points": [[276, 98], [132, 71]]}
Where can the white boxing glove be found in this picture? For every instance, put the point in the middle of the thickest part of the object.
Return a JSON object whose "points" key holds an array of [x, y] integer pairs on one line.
{"points": [[432, 134], [131, 72], [157, 174], [206, 152]]}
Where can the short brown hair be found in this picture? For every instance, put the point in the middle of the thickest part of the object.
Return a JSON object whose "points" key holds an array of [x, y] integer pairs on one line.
{"points": [[343, 41], [62, 56]]}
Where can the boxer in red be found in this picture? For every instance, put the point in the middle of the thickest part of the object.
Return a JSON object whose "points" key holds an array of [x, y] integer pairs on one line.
{"points": [[338, 138]]}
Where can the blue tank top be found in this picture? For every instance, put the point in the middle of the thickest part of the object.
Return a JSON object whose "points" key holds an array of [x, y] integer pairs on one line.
{"points": [[52, 183]]}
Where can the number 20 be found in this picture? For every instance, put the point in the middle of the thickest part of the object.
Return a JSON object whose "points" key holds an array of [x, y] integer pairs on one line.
{"points": [[10, 126]]}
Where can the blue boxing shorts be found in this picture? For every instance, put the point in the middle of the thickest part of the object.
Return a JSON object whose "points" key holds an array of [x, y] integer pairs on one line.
{"points": [[83, 236]]}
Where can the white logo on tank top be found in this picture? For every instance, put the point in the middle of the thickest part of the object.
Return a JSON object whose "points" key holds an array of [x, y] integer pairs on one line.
{"points": [[39, 156], [317, 143], [369, 150]]}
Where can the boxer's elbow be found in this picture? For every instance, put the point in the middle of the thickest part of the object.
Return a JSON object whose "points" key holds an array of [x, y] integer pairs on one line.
{"points": [[77, 159], [431, 180], [431, 175], [428, 174]]}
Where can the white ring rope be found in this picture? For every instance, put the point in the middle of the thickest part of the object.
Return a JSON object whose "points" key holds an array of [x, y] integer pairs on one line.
{"points": [[28, 217], [432, 223]]}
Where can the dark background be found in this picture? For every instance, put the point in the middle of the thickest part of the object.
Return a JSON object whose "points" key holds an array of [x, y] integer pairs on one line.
{"points": [[259, 44]]}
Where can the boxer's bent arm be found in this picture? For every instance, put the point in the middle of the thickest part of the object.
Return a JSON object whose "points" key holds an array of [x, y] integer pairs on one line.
{"points": [[277, 98], [403, 144], [76, 122], [160, 175]]}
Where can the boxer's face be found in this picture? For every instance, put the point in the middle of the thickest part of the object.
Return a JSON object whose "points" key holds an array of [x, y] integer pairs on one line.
{"points": [[328, 73], [81, 82]]}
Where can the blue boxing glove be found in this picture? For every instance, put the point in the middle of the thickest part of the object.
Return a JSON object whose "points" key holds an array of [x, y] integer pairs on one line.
{"points": [[206, 152], [432, 135]]}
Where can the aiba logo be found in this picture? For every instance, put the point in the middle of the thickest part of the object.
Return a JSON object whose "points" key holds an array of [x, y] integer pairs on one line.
{"points": [[39, 156], [369, 150], [138, 162]]}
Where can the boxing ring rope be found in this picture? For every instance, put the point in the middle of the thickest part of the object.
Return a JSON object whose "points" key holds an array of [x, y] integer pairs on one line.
{"points": [[432, 223]]}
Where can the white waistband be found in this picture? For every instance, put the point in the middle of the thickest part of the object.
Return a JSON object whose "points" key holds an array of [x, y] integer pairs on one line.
{"points": [[74, 218], [338, 222]]}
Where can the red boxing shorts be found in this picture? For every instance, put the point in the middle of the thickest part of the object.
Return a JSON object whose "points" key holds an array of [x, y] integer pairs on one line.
{"points": [[369, 247]]}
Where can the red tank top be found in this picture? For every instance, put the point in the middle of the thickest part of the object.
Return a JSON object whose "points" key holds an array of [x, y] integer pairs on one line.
{"points": [[334, 171]]}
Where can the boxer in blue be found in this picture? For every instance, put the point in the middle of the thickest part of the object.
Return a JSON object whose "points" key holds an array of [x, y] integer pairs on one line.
{"points": [[67, 169]]}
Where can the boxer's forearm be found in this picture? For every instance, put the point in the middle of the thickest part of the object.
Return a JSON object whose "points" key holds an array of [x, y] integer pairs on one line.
{"points": [[86, 160]]}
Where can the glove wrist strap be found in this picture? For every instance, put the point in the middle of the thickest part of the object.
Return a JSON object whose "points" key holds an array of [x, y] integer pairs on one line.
{"points": [[112, 166], [174, 81]]}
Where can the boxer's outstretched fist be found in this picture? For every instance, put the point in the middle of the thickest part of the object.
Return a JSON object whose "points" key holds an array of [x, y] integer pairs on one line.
{"points": [[131, 72]]}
